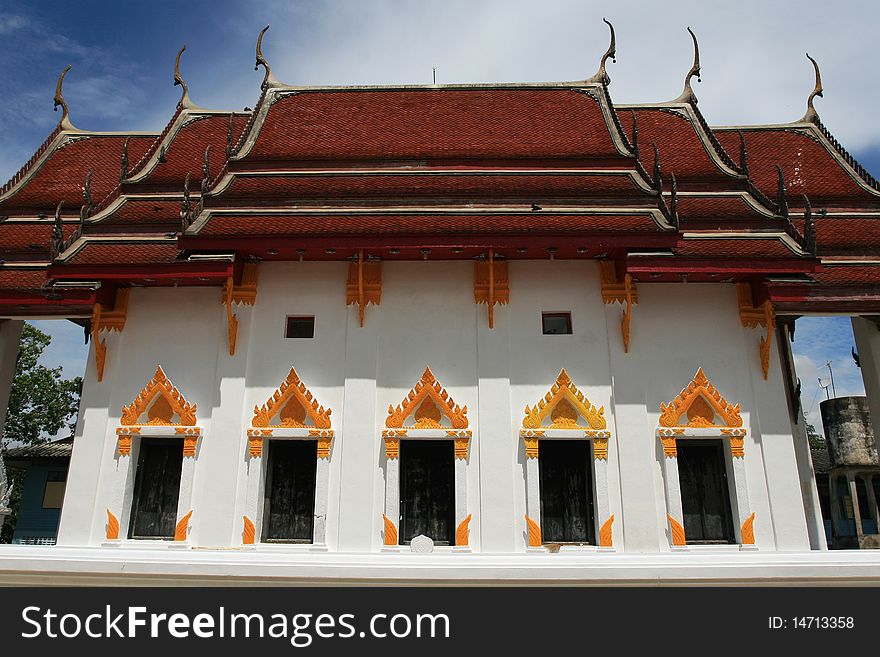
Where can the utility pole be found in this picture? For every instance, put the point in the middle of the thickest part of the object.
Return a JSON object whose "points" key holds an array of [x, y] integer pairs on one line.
{"points": [[434, 70], [825, 388], [833, 391]]}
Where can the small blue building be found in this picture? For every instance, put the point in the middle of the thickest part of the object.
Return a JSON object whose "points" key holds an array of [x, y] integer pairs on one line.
{"points": [[45, 467]]}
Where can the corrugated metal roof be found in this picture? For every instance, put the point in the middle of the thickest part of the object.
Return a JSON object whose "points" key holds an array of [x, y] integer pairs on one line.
{"points": [[59, 449]]}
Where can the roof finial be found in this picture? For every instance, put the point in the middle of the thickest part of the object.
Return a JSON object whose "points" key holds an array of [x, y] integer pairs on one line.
{"points": [[812, 116], [268, 79], [809, 227], [178, 80], [206, 171], [743, 154], [687, 95], [59, 100], [86, 210], [601, 75], [781, 196], [658, 172], [57, 240]]}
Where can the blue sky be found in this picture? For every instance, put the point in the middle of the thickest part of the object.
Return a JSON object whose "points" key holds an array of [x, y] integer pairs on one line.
{"points": [[754, 71]]}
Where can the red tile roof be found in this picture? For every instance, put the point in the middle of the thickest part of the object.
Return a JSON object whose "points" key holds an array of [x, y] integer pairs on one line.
{"points": [[357, 184], [61, 176], [186, 151], [808, 166], [124, 253], [681, 149], [334, 224], [434, 124]]}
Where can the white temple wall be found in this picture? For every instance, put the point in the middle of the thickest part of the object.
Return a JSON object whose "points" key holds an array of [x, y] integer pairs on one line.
{"points": [[428, 317]]}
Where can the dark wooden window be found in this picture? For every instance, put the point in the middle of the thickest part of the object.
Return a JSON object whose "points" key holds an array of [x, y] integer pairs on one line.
{"points": [[156, 488], [289, 506], [556, 323], [566, 491], [300, 327], [705, 498], [427, 490]]}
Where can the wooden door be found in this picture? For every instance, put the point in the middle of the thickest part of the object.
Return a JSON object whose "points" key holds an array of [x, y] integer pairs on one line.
{"points": [[566, 484], [705, 497], [427, 490], [156, 489], [289, 504]]}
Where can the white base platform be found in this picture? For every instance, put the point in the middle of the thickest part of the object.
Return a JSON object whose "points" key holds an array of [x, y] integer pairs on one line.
{"points": [[53, 565]]}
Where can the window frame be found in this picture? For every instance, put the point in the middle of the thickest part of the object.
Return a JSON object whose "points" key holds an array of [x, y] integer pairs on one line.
{"points": [[566, 314], [287, 324]]}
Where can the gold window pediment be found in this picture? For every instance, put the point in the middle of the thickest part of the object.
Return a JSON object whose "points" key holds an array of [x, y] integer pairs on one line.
{"points": [[160, 401], [428, 402], [565, 405], [292, 405], [700, 405]]}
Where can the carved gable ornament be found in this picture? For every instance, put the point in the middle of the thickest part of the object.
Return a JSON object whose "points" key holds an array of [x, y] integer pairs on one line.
{"points": [[161, 403], [565, 405], [700, 405], [427, 402], [292, 406]]}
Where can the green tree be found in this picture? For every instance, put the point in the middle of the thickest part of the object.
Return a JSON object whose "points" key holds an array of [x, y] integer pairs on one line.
{"points": [[816, 441], [41, 402]]}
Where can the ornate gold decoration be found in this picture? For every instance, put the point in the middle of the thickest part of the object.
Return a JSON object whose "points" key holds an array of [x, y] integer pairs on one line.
{"points": [[159, 386], [812, 116], [427, 387], [108, 320], [605, 539], [677, 531], [461, 446], [392, 447], [461, 532], [613, 288], [534, 533], [364, 285], [231, 319], [748, 530], [700, 388], [752, 316], [491, 284], [736, 447], [249, 533], [189, 445], [600, 448], [123, 445], [670, 449], [324, 447], [427, 415], [601, 76], [749, 315], [255, 446], [531, 447], [59, 100], [764, 349], [627, 313], [182, 526], [564, 390], [112, 527], [390, 531], [291, 390]]}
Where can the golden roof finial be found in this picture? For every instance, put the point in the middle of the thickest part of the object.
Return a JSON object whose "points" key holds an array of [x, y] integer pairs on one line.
{"points": [[268, 79], [59, 100], [812, 116], [601, 75], [687, 95], [178, 80]]}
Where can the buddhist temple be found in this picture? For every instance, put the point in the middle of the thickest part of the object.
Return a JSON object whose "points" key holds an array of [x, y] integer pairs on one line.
{"points": [[519, 323]]}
